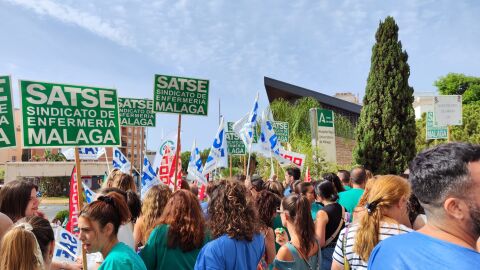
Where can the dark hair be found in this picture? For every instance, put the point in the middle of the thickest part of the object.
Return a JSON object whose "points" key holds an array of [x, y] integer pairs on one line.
{"points": [[333, 178], [298, 208], [110, 208], [14, 198], [326, 190], [275, 187], [124, 182], [295, 172], [194, 189], [42, 231], [267, 203], [303, 187], [258, 184], [295, 186], [184, 184], [442, 171], [231, 213], [131, 199], [358, 175], [185, 219], [345, 176], [414, 208]]}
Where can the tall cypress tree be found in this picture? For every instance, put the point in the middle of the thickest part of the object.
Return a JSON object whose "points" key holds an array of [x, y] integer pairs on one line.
{"points": [[386, 130]]}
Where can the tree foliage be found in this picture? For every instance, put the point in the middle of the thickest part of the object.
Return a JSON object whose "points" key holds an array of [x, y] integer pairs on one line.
{"points": [[386, 131], [460, 84]]}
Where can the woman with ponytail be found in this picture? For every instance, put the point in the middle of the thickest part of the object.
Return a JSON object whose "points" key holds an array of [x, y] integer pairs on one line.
{"points": [[99, 222], [329, 221], [302, 252], [386, 205]]}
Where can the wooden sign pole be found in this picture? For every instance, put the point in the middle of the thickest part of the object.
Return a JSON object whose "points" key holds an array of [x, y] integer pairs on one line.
{"points": [[177, 150], [80, 198]]}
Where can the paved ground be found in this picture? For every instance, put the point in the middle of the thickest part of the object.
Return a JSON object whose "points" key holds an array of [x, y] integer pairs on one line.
{"points": [[51, 210]]}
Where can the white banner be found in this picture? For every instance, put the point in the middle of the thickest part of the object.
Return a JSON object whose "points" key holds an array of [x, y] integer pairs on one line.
{"points": [[86, 153], [296, 158]]}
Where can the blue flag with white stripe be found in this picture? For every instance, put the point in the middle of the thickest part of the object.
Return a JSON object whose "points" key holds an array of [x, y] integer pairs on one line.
{"points": [[195, 166], [218, 156], [120, 161], [246, 125], [149, 177], [89, 194]]}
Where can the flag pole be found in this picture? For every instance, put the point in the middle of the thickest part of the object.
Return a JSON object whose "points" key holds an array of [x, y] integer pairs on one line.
{"points": [[131, 151], [177, 150], [106, 158], [272, 169], [80, 198], [248, 162]]}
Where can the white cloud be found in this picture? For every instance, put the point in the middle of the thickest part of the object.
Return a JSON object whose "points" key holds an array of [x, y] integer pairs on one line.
{"points": [[90, 22]]}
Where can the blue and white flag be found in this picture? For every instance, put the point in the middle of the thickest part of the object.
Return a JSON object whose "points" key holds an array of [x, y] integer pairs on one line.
{"points": [[270, 147], [120, 161], [245, 127], [89, 194], [149, 177], [218, 156], [195, 166], [85, 153]]}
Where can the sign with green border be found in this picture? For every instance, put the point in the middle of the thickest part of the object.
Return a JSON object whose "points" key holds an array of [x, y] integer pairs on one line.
{"points": [[180, 95], [325, 118], [136, 112], [7, 123], [58, 115], [281, 130], [230, 129], [434, 132], [235, 145]]}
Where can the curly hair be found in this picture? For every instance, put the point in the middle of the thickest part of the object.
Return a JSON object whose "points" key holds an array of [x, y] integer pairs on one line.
{"points": [[267, 203], [231, 213], [152, 208], [185, 218]]}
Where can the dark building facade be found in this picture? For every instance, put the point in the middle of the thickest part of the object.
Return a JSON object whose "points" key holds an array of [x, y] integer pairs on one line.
{"points": [[277, 89]]}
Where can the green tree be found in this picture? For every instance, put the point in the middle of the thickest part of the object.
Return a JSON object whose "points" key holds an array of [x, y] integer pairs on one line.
{"points": [[460, 84], [386, 131]]}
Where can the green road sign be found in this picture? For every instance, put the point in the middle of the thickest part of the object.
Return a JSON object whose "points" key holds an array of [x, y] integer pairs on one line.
{"points": [[57, 115], [281, 130], [180, 95], [7, 125], [235, 145], [325, 118], [136, 112], [434, 132]]}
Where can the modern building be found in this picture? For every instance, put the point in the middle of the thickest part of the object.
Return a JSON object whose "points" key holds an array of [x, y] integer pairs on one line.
{"points": [[277, 89]]}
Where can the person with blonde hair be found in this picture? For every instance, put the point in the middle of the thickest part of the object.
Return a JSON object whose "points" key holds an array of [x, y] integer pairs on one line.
{"points": [[152, 208], [386, 206], [19, 249], [124, 182], [108, 183]]}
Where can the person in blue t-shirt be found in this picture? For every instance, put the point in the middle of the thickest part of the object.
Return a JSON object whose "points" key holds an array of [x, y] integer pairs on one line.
{"points": [[446, 181], [238, 243], [292, 174]]}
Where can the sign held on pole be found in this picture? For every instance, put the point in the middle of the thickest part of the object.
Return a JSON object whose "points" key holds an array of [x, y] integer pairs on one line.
{"points": [[136, 112], [7, 124]]}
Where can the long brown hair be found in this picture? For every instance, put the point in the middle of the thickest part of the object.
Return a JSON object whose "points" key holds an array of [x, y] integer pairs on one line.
{"points": [[14, 198], [385, 192], [298, 208], [124, 182], [231, 213], [185, 219], [152, 208], [19, 249]]}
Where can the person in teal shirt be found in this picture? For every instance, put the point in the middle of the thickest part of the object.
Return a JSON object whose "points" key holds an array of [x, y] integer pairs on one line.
{"points": [[349, 199], [344, 177], [179, 236], [98, 223]]}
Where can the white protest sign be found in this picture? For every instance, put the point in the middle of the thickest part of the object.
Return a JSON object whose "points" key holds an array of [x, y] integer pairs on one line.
{"points": [[86, 153], [295, 158], [67, 247]]}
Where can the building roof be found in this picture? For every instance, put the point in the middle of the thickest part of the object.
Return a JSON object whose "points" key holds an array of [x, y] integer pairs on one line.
{"points": [[278, 89]]}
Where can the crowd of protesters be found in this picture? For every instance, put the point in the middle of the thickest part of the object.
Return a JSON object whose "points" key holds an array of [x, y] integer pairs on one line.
{"points": [[428, 217]]}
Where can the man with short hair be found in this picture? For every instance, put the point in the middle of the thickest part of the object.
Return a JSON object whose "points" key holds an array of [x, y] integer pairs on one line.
{"points": [[344, 176], [446, 181], [349, 199], [291, 175]]}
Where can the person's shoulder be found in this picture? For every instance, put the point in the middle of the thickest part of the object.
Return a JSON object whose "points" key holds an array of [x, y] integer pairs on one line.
{"points": [[410, 240]]}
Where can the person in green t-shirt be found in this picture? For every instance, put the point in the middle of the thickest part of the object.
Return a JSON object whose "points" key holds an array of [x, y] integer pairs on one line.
{"points": [[99, 222], [344, 177], [179, 235], [349, 199]]}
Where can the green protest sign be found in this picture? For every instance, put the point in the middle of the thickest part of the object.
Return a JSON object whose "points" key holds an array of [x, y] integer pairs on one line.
{"points": [[235, 145], [434, 132], [230, 129], [180, 95], [281, 130], [136, 112], [58, 115], [7, 125]]}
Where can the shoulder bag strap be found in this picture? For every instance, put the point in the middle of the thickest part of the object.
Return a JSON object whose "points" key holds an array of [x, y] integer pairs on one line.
{"points": [[337, 230], [346, 265]]}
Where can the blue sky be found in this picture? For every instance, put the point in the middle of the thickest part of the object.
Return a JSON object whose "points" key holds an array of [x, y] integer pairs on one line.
{"points": [[321, 45]]}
